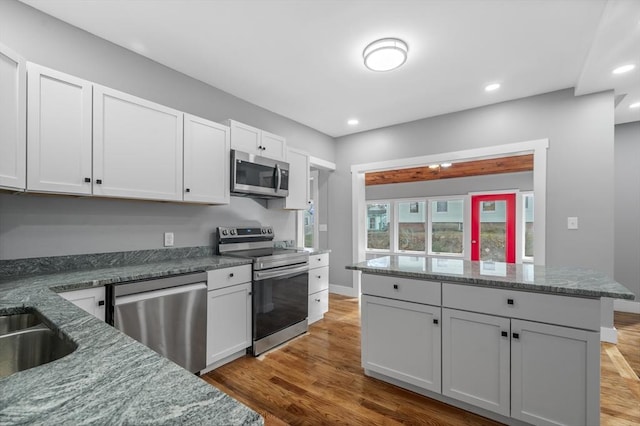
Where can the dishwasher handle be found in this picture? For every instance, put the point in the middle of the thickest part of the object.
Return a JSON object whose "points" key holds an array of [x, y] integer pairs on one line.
{"points": [[138, 297]]}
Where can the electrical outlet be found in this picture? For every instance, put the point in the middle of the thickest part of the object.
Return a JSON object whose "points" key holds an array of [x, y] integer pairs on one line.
{"points": [[168, 239], [322, 227], [572, 223]]}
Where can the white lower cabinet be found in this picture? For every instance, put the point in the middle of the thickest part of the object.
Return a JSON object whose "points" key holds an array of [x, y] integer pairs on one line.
{"points": [[402, 340], [228, 314], [318, 286], [88, 299]]}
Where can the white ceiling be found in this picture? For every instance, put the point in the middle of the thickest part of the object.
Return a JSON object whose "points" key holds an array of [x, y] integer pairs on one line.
{"points": [[303, 59]]}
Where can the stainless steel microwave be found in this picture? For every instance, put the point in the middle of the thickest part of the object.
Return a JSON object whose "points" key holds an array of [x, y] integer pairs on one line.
{"points": [[256, 176]]}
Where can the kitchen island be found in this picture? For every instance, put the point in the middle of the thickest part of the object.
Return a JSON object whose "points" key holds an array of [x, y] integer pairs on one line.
{"points": [[110, 378], [515, 343]]}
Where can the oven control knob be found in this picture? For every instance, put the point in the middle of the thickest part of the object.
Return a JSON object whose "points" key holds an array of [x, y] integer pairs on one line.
{"points": [[225, 232], [233, 232], [264, 230], [270, 231]]}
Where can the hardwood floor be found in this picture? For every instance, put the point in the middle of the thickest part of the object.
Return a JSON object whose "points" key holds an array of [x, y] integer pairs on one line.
{"points": [[317, 379]]}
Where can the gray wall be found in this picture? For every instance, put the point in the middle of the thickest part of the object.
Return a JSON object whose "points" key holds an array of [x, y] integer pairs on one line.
{"points": [[627, 206], [42, 226], [458, 186], [580, 177]]}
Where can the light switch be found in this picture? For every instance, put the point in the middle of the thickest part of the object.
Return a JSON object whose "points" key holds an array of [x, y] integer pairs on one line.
{"points": [[572, 223], [322, 227]]}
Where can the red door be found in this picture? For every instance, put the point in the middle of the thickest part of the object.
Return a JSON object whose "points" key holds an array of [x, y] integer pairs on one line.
{"points": [[493, 227]]}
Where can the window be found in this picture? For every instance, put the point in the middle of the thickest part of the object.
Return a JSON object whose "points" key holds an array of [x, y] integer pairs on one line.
{"points": [[411, 225], [447, 226], [309, 224], [527, 220], [309, 217], [378, 220]]}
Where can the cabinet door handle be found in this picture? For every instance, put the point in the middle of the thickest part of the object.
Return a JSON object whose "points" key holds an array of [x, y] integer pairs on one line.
{"points": [[100, 302], [396, 286], [509, 301], [231, 275], [319, 276], [249, 293], [504, 334], [87, 180], [187, 190], [318, 300], [435, 320], [516, 335], [99, 181]]}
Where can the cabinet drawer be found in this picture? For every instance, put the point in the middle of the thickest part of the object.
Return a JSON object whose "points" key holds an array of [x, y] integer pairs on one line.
{"points": [[318, 260], [548, 308], [224, 277], [418, 291], [318, 279], [318, 305]]}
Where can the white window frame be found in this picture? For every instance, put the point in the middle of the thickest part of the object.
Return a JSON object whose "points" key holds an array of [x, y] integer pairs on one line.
{"points": [[523, 231], [466, 226], [396, 225], [391, 227]]}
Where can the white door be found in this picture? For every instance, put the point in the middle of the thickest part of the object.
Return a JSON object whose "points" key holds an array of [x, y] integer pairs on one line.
{"points": [[13, 104], [475, 359], [228, 321], [206, 161], [554, 374], [273, 146], [245, 138], [137, 147], [59, 132], [402, 340], [91, 300]]}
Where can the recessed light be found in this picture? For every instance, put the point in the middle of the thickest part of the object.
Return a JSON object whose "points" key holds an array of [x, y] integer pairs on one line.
{"points": [[623, 69], [352, 121], [492, 87], [385, 54], [434, 166], [635, 105], [445, 165]]}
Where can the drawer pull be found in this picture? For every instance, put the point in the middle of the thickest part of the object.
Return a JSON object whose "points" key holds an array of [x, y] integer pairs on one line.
{"points": [[319, 259], [516, 335], [319, 276], [231, 275], [317, 300], [435, 320], [396, 286], [504, 334], [100, 302], [509, 301]]}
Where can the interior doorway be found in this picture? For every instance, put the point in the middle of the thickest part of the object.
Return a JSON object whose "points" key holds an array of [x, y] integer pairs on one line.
{"points": [[493, 227]]}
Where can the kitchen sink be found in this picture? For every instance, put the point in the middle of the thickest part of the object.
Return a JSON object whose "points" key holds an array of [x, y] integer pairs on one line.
{"points": [[27, 342]]}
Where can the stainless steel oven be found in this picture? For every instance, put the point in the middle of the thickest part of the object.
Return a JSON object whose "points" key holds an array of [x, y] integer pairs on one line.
{"points": [[252, 175], [280, 285]]}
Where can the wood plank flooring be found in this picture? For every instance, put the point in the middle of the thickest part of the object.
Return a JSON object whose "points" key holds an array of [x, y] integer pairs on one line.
{"points": [[316, 379]]}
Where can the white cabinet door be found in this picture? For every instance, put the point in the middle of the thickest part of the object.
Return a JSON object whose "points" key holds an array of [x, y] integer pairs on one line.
{"points": [[137, 147], [228, 321], [89, 299], [13, 104], [402, 340], [554, 374], [59, 132], [245, 138], [274, 146], [318, 306], [298, 198], [475, 359], [206, 161]]}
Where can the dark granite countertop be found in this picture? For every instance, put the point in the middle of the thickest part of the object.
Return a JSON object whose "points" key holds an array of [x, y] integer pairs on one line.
{"points": [[525, 277], [110, 378]]}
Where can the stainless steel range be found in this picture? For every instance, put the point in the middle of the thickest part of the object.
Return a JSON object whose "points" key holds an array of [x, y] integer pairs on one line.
{"points": [[280, 284]]}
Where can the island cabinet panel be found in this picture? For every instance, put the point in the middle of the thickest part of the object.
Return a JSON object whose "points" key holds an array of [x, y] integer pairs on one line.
{"points": [[59, 132], [475, 359], [13, 123], [417, 291], [402, 340], [137, 147], [555, 374]]}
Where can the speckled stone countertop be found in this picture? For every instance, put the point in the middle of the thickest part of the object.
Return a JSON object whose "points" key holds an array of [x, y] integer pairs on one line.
{"points": [[110, 378], [526, 277]]}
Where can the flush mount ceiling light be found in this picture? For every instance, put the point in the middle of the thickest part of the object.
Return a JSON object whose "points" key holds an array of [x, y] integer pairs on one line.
{"points": [[623, 69], [385, 54], [352, 121], [635, 105], [492, 87]]}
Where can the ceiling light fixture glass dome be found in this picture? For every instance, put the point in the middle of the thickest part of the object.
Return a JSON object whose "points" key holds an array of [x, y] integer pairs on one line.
{"points": [[385, 54]]}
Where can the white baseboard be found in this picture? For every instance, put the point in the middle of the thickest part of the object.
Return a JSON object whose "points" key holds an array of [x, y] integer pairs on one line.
{"points": [[623, 305], [343, 290], [609, 335]]}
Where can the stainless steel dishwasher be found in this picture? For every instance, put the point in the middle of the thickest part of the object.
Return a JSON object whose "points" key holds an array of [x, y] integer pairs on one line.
{"points": [[169, 315]]}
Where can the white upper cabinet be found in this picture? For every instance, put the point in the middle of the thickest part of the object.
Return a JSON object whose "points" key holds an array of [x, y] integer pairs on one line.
{"points": [[255, 141], [137, 147], [206, 161], [298, 198], [13, 102], [59, 132]]}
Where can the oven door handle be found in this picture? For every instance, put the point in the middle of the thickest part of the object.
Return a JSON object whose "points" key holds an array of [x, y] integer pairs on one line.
{"points": [[265, 275]]}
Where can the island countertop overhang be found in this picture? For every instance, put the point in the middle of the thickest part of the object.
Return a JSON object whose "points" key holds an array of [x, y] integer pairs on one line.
{"points": [[567, 281]]}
